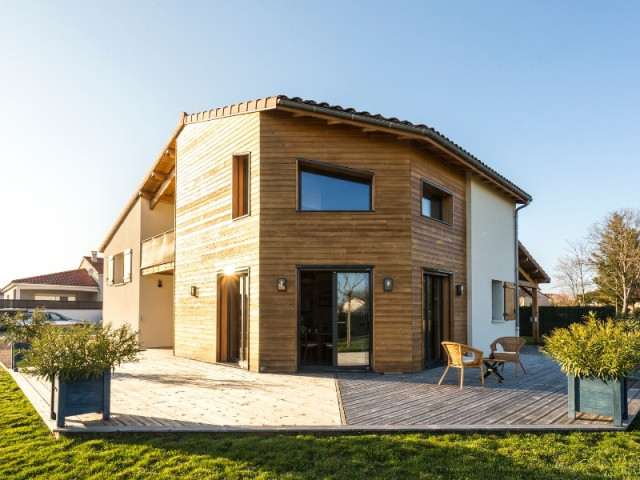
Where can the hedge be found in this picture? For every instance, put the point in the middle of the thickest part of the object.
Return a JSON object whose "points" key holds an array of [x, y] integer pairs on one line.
{"points": [[559, 317]]}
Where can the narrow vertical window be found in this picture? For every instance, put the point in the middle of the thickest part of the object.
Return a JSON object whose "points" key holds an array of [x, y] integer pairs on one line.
{"points": [[240, 186]]}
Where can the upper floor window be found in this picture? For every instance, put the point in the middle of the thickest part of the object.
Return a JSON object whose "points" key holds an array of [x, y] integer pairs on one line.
{"points": [[325, 187], [437, 203], [240, 186], [119, 268]]}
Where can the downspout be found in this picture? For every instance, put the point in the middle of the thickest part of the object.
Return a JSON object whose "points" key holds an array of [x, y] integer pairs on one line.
{"points": [[517, 264]]}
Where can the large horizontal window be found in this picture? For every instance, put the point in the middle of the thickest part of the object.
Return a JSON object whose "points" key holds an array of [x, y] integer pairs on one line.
{"points": [[437, 203], [324, 187]]}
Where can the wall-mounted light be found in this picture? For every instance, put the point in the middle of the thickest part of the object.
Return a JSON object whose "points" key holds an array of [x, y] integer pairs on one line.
{"points": [[459, 289], [282, 284], [194, 291], [159, 283], [387, 284]]}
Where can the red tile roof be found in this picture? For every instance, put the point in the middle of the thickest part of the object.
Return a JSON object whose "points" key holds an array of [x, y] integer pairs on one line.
{"points": [[76, 278], [98, 265]]}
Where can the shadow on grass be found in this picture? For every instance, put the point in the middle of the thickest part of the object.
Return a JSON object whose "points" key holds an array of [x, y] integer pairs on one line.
{"points": [[368, 456]]}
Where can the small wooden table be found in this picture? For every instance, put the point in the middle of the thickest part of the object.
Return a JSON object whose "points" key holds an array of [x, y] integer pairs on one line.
{"points": [[492, 364]]}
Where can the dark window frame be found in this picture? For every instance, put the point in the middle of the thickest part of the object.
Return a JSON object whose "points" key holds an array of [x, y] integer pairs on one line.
{"points": [[334, 171], [444, 199]]}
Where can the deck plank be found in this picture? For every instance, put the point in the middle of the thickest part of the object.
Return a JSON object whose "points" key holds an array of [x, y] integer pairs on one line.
{"points": [[164, 393]]}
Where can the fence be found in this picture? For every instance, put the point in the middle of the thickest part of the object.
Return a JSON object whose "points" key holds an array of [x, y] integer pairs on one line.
{"points": [[50, 304], [559, 317]]}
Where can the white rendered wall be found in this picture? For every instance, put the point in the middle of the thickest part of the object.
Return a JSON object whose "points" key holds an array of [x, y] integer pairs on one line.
{"points": [[490, 256]]}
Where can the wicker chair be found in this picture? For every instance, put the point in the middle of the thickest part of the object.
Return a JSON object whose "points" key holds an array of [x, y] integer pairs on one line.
{"points": [[456, 359], [510, 350]]}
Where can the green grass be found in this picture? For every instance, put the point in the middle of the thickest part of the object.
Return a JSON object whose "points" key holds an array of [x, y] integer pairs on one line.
{"points": [[27, 451]]}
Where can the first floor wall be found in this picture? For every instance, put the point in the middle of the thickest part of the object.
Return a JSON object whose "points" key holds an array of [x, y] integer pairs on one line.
{"points": [[275, 316]]}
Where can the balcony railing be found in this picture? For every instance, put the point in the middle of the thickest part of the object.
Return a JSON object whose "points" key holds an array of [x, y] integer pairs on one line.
{"points": [[156, 253]]}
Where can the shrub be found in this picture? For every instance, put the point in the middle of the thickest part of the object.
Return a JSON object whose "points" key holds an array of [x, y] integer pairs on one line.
{"points": [[80, 352], [607, 349], [22, 329]]}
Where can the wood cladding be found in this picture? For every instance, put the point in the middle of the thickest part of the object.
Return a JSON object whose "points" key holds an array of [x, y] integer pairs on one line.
{"points": [[275, 238]]}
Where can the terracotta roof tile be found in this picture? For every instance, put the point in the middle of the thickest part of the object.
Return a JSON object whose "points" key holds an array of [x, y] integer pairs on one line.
{"points": [[99, 265], [77, 278]]}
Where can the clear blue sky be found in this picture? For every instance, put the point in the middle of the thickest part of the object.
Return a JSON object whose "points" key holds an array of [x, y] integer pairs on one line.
{"points": [[546, 92]]}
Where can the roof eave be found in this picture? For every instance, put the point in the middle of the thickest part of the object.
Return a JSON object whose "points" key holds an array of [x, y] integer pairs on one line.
{"points": [[519, 195], [138, 193]]}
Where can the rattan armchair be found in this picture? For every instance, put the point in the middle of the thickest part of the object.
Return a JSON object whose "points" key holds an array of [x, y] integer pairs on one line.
{"points": [[510, 350], [456, 358]]}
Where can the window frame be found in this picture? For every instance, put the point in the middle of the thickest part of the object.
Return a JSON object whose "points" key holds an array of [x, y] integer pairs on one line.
{"points": [[241, 185], [335, 171], [120, 268], [446, 201]]}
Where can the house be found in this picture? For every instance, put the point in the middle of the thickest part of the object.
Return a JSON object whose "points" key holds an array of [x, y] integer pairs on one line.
{"points": [[81, 284], [79, 290], [285, 235]]}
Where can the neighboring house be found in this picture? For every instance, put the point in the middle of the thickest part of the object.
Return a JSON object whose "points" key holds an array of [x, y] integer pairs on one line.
{"points": [[283, 235], [83, 284], [526, 299], [94, 266]]}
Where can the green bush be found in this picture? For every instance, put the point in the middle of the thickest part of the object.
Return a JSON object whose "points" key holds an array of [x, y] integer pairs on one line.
{"points": [[20, 329], [607, 349], [79, 352]]}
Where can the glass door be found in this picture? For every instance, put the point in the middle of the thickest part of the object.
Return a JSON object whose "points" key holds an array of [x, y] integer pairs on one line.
{"points": [[233, 319], [434, 294], [334, 318], [352, 319]]}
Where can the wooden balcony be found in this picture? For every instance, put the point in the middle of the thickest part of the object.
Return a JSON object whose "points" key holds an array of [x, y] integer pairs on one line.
{"points": [[157, 254]]}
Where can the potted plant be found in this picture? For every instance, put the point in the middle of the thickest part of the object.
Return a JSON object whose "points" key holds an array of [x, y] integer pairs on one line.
{"points": [[78, 361], [597, 357], [19, 330]]}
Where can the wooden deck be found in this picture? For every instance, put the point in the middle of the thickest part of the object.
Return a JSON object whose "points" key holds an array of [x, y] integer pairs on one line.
{"points": [[536, 400], [163, 393]]}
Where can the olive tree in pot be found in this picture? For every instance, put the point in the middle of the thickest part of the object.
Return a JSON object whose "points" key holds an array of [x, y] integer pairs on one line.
{"points": [[597, 357], [78, 361]]}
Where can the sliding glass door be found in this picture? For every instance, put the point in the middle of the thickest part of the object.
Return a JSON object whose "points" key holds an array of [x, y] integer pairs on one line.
{"points": [[334, 318]]}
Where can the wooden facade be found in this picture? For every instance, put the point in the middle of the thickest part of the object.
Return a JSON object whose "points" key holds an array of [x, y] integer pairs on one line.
{"points": [[236, 187]]}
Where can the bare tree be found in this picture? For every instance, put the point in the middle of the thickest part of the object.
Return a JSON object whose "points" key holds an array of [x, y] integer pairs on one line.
{"points": [[574, 271], [615, 256]]}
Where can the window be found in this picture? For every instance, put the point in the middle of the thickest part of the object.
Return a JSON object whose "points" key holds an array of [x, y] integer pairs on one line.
{"points": [[119, 268], [437, 203], [503, 302], [324, 187], [240, 186]]}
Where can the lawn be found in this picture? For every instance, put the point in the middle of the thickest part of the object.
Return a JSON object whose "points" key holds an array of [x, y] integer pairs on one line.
{"points": [[27, 451]]}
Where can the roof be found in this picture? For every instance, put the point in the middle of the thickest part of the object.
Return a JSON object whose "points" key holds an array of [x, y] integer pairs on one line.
{"points": [[98, 264], [160, 180], [76, 278], [528, 264]]}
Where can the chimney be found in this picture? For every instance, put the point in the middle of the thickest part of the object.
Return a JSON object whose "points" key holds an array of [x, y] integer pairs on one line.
{"points": [[94, 256]]}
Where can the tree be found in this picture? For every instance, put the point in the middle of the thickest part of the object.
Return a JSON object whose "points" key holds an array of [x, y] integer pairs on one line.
{"points": [[615, 256], [575, 272]]}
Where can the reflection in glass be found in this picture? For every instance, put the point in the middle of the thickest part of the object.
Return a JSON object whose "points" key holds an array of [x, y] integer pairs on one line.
{"points": [[353, 312], [320, 190]]}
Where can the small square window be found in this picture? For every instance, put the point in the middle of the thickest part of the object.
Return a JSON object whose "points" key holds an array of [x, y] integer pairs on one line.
{"points": [[437, 203]]}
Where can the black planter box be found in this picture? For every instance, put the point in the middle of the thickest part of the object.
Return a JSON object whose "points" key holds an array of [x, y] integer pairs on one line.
{"points": [[82, 396], [16, 354], [600, 397]]}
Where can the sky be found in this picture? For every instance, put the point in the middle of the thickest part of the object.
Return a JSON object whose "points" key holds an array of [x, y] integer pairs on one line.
{"points": [[547, 93]]}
